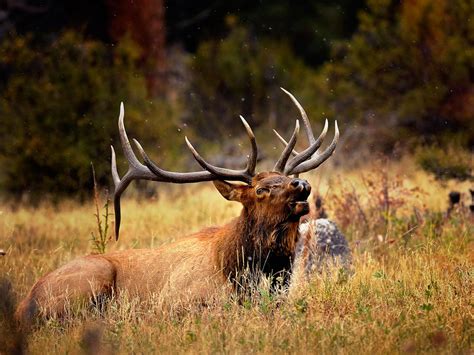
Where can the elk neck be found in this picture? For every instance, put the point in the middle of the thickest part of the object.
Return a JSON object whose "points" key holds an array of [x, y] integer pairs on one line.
{"points": [[257, 243]]}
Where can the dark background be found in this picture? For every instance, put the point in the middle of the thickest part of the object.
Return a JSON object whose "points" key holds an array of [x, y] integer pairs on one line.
{"points": [[397, 75]]}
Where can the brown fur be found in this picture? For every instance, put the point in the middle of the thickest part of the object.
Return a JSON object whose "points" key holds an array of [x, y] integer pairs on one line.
{"points": [[262, 238]]}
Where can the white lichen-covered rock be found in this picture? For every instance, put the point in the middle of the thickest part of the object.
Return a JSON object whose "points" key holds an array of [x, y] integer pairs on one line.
{"points": [[321, 248]]}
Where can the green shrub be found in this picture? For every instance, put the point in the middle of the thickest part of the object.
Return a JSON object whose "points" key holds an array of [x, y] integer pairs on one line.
{"points": [[449, 162], [406, 72], [59, 104]]}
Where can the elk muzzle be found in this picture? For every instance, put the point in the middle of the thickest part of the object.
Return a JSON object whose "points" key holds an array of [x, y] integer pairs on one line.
{"points": [[300, 192]]}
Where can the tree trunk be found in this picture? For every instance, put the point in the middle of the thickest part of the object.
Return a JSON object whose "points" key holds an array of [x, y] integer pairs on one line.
{"points": [[144, 22]]}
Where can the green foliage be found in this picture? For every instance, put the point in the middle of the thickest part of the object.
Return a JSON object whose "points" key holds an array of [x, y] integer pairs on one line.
{"points": [[406, 74], [100, 241], [406, 71], [242, 75], [59, 105], [449, 162]]}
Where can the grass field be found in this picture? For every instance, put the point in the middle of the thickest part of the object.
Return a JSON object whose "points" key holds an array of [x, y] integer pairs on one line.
{"points": [[412, 290]]}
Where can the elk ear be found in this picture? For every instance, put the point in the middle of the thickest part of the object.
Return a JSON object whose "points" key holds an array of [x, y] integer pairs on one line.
{"points": [[231, 192]]}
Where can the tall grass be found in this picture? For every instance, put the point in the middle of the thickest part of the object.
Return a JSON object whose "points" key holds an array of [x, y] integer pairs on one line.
{"points": [[411, 291]]}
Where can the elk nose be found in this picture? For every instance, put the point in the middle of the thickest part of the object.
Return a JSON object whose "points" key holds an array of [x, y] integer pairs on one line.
{"points": [[301, 185]]}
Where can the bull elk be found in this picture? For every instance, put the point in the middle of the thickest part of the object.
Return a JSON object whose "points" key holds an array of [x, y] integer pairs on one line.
{"points": [[263, 238]]}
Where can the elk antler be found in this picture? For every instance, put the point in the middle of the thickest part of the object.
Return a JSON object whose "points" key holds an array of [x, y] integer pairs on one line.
{"points": [[136, 170], [307, 159], [301, 162], [280, 164], [151, 171], [212, 172]]}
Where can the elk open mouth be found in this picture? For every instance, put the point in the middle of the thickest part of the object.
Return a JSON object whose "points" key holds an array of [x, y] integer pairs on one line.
{"points": [[299, 208], [299, 205]]}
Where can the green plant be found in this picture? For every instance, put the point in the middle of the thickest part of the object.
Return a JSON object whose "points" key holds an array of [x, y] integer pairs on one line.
{"points": [[100, 241], [451, 162], [59, 104]]}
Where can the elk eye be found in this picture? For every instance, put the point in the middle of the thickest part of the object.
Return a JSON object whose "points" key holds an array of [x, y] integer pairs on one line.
{"points": [[261, 190]]}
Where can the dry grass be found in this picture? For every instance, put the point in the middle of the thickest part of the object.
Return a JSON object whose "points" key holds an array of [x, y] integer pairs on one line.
{"points": [[412, 289]]}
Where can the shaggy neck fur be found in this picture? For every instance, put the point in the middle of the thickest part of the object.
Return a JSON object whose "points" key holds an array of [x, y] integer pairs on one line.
{"points": [[258, 244]]}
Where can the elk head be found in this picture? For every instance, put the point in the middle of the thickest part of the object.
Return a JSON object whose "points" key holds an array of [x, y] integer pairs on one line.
{"points": [[269, 197]]}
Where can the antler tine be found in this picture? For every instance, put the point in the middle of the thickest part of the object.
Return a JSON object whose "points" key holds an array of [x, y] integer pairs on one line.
{"points": [[308, 152], [304, 116], [244, 175], [252, 158], [316, 161], [314, 144], [300, 162], [281, 163], [113, 168], [311, 149], [136, 170], [284, 142]]}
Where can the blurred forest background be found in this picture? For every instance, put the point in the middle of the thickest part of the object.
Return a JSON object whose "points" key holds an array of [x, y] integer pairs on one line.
{"points": [[397, 75]]}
